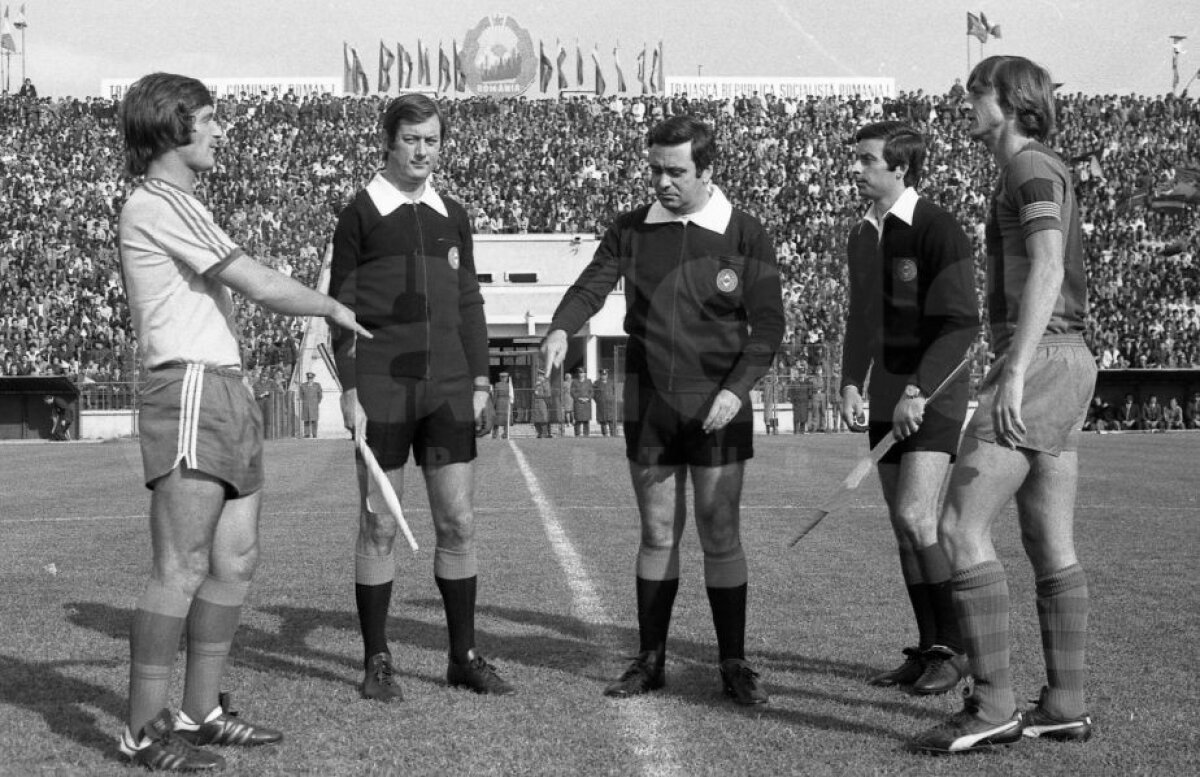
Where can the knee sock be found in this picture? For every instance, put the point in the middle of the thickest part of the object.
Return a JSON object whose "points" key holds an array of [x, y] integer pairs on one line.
{"points": [[981, 601], [211, 624], [920, 597], [657, 585], [153, 642], [456, 575], [1062, 603], [725, 579], [935, 570], [373, 577]]}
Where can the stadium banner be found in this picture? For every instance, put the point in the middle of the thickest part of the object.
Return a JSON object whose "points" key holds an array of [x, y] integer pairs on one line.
{"points": [[725, 87], [115, 88], [498, 59]]}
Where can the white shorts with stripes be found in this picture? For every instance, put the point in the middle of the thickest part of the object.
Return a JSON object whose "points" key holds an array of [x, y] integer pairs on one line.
{"points": [[205, 419]]}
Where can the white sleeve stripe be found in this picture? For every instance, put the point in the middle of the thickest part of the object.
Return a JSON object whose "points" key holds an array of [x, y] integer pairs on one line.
{"points": [[194, 218], [1040, 210]]}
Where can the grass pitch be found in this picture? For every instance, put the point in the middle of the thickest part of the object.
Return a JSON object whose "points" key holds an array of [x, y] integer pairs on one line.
{"points": [[557, 617]]}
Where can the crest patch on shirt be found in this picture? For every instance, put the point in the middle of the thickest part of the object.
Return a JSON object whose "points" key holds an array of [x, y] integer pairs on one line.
{"points": [[727, 280], [452, 257], [906, 270]]}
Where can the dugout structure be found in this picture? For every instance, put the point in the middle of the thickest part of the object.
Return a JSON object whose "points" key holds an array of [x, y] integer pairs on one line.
{"points": [[24, 414]]}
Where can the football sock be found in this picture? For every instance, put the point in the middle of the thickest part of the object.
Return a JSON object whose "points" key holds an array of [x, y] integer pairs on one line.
{"points": [[935, 570], [981, 600], [153, 642], [657, 585], [919, 597], [373, 576], [211, 624], [455, 572], [1062, 603], [725, 581]]}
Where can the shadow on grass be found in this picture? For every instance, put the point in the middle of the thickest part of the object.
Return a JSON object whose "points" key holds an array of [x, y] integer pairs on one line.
{"points": [[42, 688], [692, 671]]}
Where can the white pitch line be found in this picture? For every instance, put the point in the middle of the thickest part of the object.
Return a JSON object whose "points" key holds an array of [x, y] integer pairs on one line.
{"points": [[643, 720]]}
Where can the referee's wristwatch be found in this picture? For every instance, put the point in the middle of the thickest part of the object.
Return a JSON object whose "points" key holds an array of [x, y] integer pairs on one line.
{"points": [[912, 391]]}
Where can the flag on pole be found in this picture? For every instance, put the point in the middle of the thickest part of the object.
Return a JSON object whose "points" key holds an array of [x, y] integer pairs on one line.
{"points": [[386, 58], [578, 65], [975, 27], [654, 85], [545, 68], [424, 76], [660, 59], [404, 68], [20, 22], [620, 75], [641, 68], [347, 68], [1176, 50], [460, 78], [990, 29], [600, 84], [562, 60], [361, 84], [444, 78]]}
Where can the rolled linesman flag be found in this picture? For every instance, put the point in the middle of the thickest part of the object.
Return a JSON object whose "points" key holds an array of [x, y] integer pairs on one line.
{"points": [[839, 498], [390, 499]]}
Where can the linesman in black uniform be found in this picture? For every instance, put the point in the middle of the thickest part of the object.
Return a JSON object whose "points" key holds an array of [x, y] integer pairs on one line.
{"points": [[403, 261], [912, 317]]}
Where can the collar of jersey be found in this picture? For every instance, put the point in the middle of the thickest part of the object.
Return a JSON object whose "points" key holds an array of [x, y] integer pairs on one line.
{"points": [[714, 216], [388, 198], [902, 209]]}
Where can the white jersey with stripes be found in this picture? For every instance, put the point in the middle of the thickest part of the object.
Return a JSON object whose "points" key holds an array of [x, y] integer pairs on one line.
{"points": [[171, 253]]}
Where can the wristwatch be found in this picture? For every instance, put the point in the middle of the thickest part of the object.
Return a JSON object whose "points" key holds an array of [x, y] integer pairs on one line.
{"points": [[913, 392]]}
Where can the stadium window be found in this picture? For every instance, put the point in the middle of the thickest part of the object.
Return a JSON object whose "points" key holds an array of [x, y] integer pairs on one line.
{"points": [[521, 277], [483, 277]]}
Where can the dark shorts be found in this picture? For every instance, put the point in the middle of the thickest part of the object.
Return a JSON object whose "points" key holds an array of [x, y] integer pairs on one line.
{"points": [[665, 429], [1059, 384], [433, 419], [939, 431], [206, 419]]}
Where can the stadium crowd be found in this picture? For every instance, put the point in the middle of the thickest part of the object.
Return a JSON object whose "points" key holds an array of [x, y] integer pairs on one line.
{"points": [[570, 165]]}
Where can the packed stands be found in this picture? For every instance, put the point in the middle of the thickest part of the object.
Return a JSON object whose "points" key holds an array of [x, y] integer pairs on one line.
{"points": [[569, 165]]}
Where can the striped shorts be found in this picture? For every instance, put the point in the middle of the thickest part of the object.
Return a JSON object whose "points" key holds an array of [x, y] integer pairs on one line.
{"points": [[206, 419]]}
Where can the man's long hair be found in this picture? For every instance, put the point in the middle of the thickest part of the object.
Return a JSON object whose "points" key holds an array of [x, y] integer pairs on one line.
{"points": [[156, 116], [1023, 88]]}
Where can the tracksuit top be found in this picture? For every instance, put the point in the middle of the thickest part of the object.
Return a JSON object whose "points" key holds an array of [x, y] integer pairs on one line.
{"points": [[704, 310], [409, 276], [913, 310]]}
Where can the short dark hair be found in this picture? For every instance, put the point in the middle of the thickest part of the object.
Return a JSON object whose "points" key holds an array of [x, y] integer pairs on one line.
{"points": [[902, 145], [409, 109], [156, 116], [1023, 88], [682, 129]]}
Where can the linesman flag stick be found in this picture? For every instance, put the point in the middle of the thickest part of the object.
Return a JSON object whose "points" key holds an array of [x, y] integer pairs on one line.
{"points": [[377, 474], [838, 499]]}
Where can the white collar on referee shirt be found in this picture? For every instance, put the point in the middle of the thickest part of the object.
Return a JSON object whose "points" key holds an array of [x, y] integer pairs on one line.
{"points": [[902, 209], [388, 198], [714, 216]]}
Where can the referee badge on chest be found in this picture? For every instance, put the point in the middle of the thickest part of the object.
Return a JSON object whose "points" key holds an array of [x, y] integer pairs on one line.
{"points": [[727, 281], [906, 270], [452, 257]]}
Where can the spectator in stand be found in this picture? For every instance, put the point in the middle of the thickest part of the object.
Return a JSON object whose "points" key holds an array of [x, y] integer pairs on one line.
{"points": [[1152, 415], [1173, 415], [1129, 415], [1191, 414]]}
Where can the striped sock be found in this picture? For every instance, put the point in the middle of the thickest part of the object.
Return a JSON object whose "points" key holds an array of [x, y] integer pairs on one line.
{"points": [[935, 569], [1062, 603], [981, 600], [211, 624], [725, 580], [153, 642]]}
